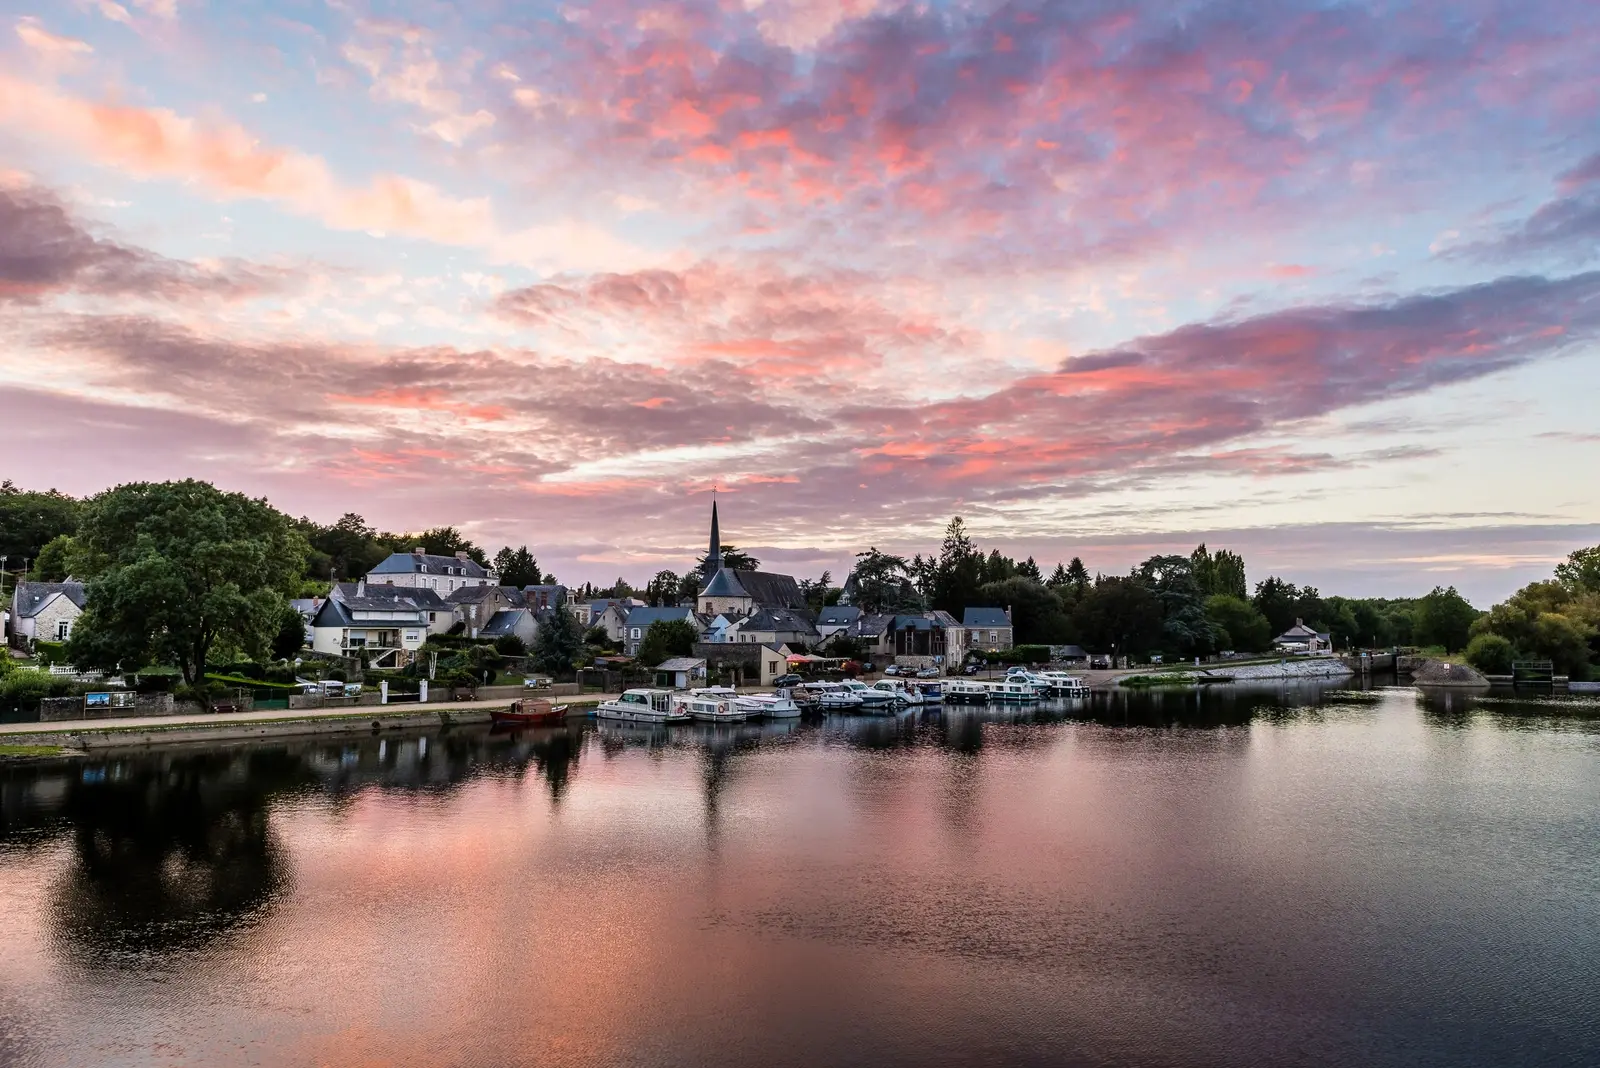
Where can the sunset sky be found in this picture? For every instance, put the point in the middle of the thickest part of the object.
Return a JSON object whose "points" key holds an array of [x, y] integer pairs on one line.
{"points": [[1314, 281]]}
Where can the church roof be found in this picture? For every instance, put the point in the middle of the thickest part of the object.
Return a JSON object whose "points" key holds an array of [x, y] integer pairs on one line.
{"points": [[724, 583]]}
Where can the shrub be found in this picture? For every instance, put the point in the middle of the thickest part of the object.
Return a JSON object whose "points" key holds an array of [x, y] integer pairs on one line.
{"points": [[1491, 654], [510, 645], [21, 691], [337, 675], [48, 653]]}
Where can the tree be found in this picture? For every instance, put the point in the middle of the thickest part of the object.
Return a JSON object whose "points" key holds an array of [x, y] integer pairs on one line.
{"points": [[816, 591], [663, 590], [177, 567], [1078, 576], [733, 558], [55, 560], [291, 636], [1120, 614], [958, 572], [1491, 654], [1444, 618], [665, 639], [1548, 620], [1581, 571], [1284, 602], [1185, 629], [518, 568], [1058, 578], [349, 549], [444, 541], [1241, 627], [1030, 571], [1220, 572], [29, 521], [883, 584], [558, 643], [1036, 613]]}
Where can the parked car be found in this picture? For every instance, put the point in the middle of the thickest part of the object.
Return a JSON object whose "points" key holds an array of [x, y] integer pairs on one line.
{"points": [[790, 679], [1100, 663], [892, 669], [971, 669], [928, 673]]}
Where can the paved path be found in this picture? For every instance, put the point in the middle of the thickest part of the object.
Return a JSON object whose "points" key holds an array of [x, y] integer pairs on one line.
{"points": [[213, 719]]}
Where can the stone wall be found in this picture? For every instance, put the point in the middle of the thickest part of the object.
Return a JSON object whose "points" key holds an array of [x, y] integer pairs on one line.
{"points": [[61, 709]]}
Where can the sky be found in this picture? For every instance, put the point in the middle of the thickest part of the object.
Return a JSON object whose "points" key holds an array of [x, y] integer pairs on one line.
{"points": [[1318, 282]]}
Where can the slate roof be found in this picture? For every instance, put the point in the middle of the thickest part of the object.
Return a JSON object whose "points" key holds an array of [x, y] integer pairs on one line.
{"points": [[838, 615], [985, 617], [339, 613], [428, 564], [502, 623], [554, 594], [724, 583], [423, 598], [474, 594], [32, 596], [681, 663], [645, 615], [871, 626], [1300, 633], [779, 620]]}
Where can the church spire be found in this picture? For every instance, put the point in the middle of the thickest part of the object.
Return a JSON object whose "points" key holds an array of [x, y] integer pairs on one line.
{"points": [[714, 560]]}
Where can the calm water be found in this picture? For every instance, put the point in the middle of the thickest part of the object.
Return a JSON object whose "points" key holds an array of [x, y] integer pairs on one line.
{"points": [[1267, 878]]}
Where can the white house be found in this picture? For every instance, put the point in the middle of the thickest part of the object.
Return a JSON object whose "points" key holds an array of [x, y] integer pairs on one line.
{"points": [[1302, 639], [44, 611], [383, 623], [420, 569], [520, 622]]}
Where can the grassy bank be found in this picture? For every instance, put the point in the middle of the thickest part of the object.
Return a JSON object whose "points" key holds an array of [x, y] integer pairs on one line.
{"points": [[1166, 678], [30, 752]]}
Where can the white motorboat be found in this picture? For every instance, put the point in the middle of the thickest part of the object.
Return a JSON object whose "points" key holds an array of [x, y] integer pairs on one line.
{"points": [[834, 696], [898, 691], [872, 700], [1064, 685], [710, 707], [932, 692], [768, 705], [966, 692], [1014, 693], [1039, 683], [642, 706]]}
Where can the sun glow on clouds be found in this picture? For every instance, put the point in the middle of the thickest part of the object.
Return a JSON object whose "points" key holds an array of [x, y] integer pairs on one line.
{"points": [[858, 264]]}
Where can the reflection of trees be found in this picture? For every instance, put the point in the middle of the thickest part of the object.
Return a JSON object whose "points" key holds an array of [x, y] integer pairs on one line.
{"points": [[169, 853]]}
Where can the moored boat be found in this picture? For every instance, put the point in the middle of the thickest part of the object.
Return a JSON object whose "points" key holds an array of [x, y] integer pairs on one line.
{"points": [[709, 706], [528, 712], [873, 701], [642, 706], [966, 692], [767, 705], [1010, 692]]}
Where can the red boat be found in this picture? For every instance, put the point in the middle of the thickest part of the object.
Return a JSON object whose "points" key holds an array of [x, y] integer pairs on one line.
{"points": [[529, 712]]}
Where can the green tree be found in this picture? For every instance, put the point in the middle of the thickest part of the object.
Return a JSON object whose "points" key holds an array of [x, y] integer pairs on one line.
{"points": [[733, 558], [1444, 618], [816, 591], [1241, 627], [518, 568], [557, 644], [1581, 571], [55, 560], [883, 583], [1029, 570], [665, 639], [1220, 572], [348, 549], [958, 572], [444, 541], [1185, 629], [1078, 576], [663, 589], [1037, 616], [175, 568], [1119, 614], [1491, 654], [291, 637], [29, 521], [510, 645]]}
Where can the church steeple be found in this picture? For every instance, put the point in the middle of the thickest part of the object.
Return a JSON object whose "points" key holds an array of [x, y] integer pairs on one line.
{"points": [[714, 560]]}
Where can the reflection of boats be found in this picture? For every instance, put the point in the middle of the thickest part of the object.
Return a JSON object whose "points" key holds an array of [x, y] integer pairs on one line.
{"points": [[529, 712], [966, 692], [643, 706], [768, 705]]}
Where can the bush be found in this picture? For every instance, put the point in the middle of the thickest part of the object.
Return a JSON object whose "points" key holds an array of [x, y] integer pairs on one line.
{"points": [[1021, 654], [1491, 654], [48, 653], [510, 645], [337, 675], [21, 691]]}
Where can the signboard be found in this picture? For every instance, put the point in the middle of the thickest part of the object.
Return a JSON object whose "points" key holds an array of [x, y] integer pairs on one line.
{"points": [[115, 699]]}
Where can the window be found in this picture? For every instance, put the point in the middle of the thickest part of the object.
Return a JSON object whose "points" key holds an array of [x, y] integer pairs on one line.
{"points": [[993, 636], [63, 628], [633, 633]]}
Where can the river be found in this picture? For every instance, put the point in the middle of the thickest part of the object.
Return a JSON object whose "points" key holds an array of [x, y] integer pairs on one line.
{"points": [[1263, 876]]}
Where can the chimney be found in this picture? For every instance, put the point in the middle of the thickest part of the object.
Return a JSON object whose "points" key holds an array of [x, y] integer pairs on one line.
{"points": [[361, 587], [419, 551], [1299, 622], [462, 555]]}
